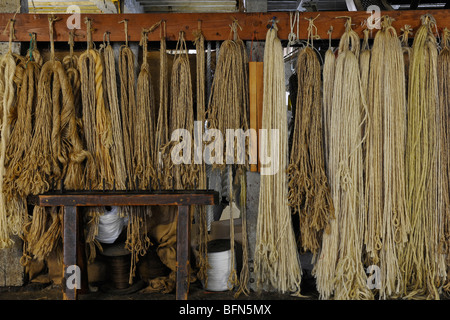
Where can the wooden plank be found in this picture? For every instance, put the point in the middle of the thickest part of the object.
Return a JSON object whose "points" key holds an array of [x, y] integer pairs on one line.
{"points": [[70, 232], [253, 110], [125, 199], [256, 89], [183, 249], [259, 101], [215, 26], [81, 256]]}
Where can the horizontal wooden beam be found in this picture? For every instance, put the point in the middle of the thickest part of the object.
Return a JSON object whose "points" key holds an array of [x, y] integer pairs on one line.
{"points": [[215, 26], [87, 199]]}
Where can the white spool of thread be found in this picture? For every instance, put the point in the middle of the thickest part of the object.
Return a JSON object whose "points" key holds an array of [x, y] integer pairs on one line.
{"points": [[219, 258], [110, 226]]}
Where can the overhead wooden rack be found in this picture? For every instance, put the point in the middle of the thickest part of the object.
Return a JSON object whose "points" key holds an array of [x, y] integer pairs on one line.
{"points": [[215, 26]]}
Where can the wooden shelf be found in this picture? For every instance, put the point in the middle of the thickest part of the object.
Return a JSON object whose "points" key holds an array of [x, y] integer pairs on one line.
{"points": [[215, 26]]}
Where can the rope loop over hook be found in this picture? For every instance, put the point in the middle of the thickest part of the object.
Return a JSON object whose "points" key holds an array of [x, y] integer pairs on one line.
{"points": [[312, 31], [125, 22]]}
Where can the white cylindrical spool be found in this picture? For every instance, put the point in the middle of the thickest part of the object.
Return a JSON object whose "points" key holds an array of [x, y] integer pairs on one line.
{"points": [[219, 259]]}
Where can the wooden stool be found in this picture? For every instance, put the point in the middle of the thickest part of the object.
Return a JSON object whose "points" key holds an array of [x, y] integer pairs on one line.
{"points": [[74, 258]]}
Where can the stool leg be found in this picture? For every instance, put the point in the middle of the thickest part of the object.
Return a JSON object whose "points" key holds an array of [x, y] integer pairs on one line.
{"points": [[72, 274], [183, 243]]}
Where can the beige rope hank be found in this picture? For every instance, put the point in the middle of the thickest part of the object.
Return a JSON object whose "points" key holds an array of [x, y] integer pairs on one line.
{"points": [[96, 116], [406, 31], [339, 270], [200, 216], [163, 162], [228, 106], [182, 113], [144, 128], [387, 221], [328, 82], [309, 192], [444, 182], [7, 96], [56, 153], [127, 100], [421, 261], [117, 147], [276, 258], [20, 140]]}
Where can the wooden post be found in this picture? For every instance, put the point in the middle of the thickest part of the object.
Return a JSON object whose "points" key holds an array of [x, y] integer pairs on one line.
{"points": [[183, 249], [72, 276], [256, 90]]}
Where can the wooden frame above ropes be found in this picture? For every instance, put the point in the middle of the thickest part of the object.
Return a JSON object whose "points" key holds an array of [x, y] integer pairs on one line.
{"points": [[215, 26]]}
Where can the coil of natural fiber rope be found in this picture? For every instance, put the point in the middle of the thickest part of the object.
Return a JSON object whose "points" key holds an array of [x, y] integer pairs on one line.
{"points": [[117, 148], [20, 139], [406, 30], [387, 221], [185, 174], [56, 154], [144, 129], [137, 241], [309, 192], [97, 132], [228, 109], [7, 97], [200, 213], [339, 270], [277, 265], [421, 262], [370, 223], [228, 103], [96, 117], [70, 63], [328, 82], [163, 162], [444, 144]]}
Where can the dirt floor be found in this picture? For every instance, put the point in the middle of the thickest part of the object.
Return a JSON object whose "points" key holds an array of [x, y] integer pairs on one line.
{"points": [[38, 291], [201, 304]]}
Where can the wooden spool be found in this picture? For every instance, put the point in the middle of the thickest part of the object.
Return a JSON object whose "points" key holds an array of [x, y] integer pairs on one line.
{"points": [[118, 261]]}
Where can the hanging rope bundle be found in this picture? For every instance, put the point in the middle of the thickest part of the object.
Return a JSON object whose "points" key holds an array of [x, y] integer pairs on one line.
{"points": [[228, 104], [309, 192], [328, 83], [339, 268], [202, 183], [421, 261], [370, 73], [56, 154], [404, 37], [228, 109], [444, 134], [276, 259], [97, 132], [96, 117], [181, 109], [144, 127], [117, 147], [7, 97], [368, 237], [364, 63], [127, 101], [387, 221], [137, 241], [70, 63], [20, 140], [163, 162]]}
